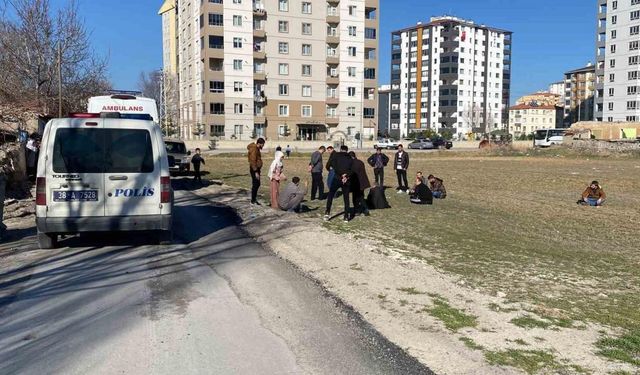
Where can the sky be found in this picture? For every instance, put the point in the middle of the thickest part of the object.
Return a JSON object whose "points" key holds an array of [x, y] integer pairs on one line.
{"points": [[550, 36]]}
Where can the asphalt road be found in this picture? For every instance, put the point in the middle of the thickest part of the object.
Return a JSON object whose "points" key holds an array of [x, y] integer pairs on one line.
{"points": [[213, 303]]}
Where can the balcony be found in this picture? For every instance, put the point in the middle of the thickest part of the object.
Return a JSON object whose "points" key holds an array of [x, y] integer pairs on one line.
{"points": [[333, 59], [259, 54], [259, 75], [259, 33], [259, 11], [333, 80], [333, 100], [333, 17], [333, 38], [333, 2], [333, 121], [259, 117], [260, 98]]}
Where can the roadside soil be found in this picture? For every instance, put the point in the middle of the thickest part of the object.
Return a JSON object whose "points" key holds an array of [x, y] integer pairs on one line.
{"points": [[397, 294]]}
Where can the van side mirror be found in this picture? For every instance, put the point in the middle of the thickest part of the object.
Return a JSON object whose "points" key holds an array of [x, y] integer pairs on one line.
{"points": [[189, 152]]}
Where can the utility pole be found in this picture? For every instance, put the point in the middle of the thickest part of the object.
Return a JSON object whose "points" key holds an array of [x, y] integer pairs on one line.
{"points": [[59, 79]]}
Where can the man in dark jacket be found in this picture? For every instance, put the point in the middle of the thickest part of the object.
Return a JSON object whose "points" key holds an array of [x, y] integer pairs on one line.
{"points": [[376, 200], [437, 187], [196, 160], [315, 167], [255, 164], [342, 164], [359, 183], [378, 161], [421, 193], [401, 164]]}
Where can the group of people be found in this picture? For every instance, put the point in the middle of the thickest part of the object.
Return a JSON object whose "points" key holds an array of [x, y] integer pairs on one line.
{"points": [[348, 174]]}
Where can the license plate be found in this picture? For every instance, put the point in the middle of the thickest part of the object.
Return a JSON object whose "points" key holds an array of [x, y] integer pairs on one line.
{"points": [[76, 195]]}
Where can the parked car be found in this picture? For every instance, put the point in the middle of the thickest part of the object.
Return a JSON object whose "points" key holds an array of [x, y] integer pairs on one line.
{"points": [[421, 144], [103, 175], [442, 143], [179, 157], [387, 143]]}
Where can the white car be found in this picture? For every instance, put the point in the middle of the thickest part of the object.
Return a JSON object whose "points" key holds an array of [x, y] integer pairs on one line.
{"points": [[99, 174], [388, 144]]}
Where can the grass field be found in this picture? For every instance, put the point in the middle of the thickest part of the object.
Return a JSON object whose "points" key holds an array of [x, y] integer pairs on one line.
{"points": [[510, 224]]}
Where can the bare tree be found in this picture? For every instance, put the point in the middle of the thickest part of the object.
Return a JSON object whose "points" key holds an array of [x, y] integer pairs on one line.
{"points": [[163, 88], [150, 84], [42, 53]]}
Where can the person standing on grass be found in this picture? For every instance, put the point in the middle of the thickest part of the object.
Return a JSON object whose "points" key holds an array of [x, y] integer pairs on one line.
{"points": [[437, 187], [255, 165], [196, 160], [288, 151], [359, 183], [593, 195], [401, 164], [275, 176], [378, 161], [292, 196], [332, 173], [342, 164], [421, 193], [315, 167]]}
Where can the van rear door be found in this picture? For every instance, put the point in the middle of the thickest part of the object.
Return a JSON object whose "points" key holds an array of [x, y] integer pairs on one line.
{"points": [[132, 168], [75, 183]]}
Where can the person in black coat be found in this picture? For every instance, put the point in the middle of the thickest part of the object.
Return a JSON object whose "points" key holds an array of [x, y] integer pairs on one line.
{"points": [[359, 183], [342, 164], [378, 161], [196, 160], [421, 193], [401, 164], [376, 200]]}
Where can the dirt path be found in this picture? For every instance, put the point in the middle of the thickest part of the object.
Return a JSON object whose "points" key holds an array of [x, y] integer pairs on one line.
{"points": [[451, 327]]}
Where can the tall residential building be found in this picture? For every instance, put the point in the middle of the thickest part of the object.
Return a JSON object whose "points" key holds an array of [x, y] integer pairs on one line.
{"points": [[450, 74], [384, 110], [618, 61], [557, 88], [281, 69], [579, 97]]}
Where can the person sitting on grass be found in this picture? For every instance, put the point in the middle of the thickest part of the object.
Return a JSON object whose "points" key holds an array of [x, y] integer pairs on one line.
{"points": [[437, 187], [419, 176], [593, 195], [421, 193], [291, 198]]}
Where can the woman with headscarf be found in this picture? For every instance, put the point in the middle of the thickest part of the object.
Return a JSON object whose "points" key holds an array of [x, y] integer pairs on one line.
{"points": [[275, 176]]}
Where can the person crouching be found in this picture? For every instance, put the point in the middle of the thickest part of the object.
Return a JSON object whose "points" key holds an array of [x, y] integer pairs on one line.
{"points": [[421, 194]]}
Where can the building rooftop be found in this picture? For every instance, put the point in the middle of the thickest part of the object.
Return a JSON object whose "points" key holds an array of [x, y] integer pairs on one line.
{"points": [[589, 68], [436, 21], [529, 106]]}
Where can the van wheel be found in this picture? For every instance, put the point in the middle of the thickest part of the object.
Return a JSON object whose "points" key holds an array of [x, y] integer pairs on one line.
{"points": [[47, 240], [165, 237]]}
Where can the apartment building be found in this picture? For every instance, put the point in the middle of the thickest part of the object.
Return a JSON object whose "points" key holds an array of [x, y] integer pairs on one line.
{"points": [[618, 61], [557, 88], [450, 74], [281, 69], [579, 98], [542, 98], [525, 119]]}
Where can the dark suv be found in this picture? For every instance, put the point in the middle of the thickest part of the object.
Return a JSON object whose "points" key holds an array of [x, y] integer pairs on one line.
{"points": [[441, 143]]}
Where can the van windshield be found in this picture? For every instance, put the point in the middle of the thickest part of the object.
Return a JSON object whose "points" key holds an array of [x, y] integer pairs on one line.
{"points": [[102, 151], [176, 147], [541, 134]]}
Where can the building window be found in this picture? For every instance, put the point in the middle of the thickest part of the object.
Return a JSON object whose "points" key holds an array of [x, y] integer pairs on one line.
{"points": [[610, 105], [237, 64], [216, 42], [632, 90], [369, 113], [632, 118], [283, 110], [238, 108], [352, 51], [633, 75], [612, 48], [632, 105], [306, 8], [306, 50], [613, 34], [306, 70], [283, 69], [611, 91], [614, 20], [612, 63], [216, 86], [352, 10], [216, 108], [306, 29], [283, 89], [306, 91], [237, 1], [351, 111], [633, 60], [306, 111], [216, 19], [283, 48], [369, 73], [370, 33], [635, 15], [283, 5], [612, 77], [283, 26], [237, 20], [634, 30], [237, 42], [237, 130], [352, 31], [216, 130], [237, 86], [283, 130], [633, 46], [351, 71], [351, 91]]}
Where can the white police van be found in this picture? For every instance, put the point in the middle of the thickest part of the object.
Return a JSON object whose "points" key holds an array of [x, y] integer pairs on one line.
{"points": [[101, 173]]}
